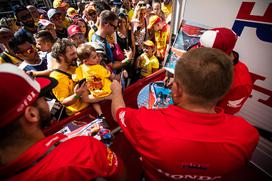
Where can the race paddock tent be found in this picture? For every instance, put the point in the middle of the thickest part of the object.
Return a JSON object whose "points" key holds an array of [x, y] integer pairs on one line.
{"points": [[251, 20]]}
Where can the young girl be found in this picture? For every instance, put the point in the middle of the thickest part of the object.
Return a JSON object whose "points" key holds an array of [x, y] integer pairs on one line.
{"points": [[147, 62]]}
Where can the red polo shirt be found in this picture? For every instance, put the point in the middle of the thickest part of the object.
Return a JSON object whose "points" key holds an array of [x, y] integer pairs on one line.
{"points": [[179, 144], [79, 158], [240, 90]]}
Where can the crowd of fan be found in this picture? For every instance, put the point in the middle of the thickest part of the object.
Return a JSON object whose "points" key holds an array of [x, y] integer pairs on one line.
{"points": [[83, 54], [130, 40]]}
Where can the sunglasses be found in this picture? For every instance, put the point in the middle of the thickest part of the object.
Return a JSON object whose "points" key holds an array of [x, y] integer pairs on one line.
{"points": [[141, 5], [25, 17], [115, 27], [29, 51], [92, 14]]}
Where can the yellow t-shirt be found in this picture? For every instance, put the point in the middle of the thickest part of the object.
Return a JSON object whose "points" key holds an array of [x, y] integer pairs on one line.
{"points": [[65, 88], [147, 64], [166, 9], [13, 59], [130, 15], [90, 35], [161, 40], [97, 78]]}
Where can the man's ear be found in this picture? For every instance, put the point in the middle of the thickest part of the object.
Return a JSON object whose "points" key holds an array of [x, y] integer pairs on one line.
{"points": [[61, 58], [177, 90], [32, 114]]}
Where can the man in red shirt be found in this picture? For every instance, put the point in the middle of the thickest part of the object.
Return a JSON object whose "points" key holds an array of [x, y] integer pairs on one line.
{"points": [[26, 154], [192, 139], [241, 87]]}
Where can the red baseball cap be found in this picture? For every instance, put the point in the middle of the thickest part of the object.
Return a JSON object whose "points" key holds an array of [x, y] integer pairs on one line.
{"points": [[19, 90], [220, 38], [73, 29]]}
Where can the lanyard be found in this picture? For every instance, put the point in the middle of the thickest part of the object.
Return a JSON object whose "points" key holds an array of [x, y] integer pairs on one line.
{"points": [[34, 162]]}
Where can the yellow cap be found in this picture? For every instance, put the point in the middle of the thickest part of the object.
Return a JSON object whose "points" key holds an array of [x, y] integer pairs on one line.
{"points": [[58, 4], [152, 21], [71, 12], [149, 43]]}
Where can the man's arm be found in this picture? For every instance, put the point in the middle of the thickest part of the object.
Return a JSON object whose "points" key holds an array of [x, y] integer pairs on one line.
{"points": [[117, 98], [78, 91]]}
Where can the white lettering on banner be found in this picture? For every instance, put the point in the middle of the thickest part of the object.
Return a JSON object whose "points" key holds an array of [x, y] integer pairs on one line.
{"points": [[191, 177], [122, 117]]}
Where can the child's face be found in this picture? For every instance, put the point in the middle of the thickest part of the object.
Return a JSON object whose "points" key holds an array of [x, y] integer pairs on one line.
{"points": [[82, 27], [43, 45], [93, 59], [157, 26], [157, 8], [148, 50]]}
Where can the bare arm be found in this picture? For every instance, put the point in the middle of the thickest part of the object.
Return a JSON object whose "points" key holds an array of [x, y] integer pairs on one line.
{"points": [[117, 98], [39, 73]]}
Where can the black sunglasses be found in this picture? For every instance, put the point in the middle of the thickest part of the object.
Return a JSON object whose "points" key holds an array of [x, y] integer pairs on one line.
{"points": [[25, 17], [115, 27]]}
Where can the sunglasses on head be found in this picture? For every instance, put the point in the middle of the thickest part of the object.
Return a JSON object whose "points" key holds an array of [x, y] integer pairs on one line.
{"points": [[141, 4], [25, 17]]}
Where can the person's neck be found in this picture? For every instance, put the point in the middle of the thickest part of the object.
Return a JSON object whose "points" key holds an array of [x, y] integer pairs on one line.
{"points": [[31, 29], [123, 30], [13, 151], [199, 108], [63, 66], [33, 61], [101, 32]]}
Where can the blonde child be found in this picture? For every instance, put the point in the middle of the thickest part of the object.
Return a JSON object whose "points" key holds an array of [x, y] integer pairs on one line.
{"points": [[161, 35], [147, 62], [97, 76]]}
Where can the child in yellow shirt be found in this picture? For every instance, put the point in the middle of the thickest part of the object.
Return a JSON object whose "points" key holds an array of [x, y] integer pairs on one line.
{"points": [[147, 62], [161, 35], [97, 76]]}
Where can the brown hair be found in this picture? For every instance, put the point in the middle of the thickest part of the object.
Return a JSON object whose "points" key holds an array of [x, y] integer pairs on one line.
{"points": [[107, 17], [59, 48], [84, 51], [45, 36], [205, 74]]}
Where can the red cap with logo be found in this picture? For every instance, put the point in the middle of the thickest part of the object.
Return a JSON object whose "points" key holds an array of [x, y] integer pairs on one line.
{"points": [[220, 38], [73, 29], [19, 90]]}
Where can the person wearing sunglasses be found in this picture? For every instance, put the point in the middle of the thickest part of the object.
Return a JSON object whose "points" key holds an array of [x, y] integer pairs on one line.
{"points": [[24, 17], [32, 63], [107, 26], [8, 56]]}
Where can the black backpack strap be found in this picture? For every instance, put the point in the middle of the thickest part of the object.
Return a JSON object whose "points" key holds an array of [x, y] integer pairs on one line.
{"points": [[6, 58], [65, 73]]}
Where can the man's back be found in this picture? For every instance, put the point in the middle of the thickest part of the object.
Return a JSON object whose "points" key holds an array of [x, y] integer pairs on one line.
{"points": [[80, 158], [176, 143]]}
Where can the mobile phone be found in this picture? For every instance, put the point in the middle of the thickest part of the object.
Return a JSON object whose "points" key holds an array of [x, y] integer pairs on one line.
{"points": [[81, 82]]}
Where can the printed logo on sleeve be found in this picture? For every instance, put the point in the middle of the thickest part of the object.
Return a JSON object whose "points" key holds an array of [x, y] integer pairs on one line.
{"points": [[122, 117], [235, 103]]}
